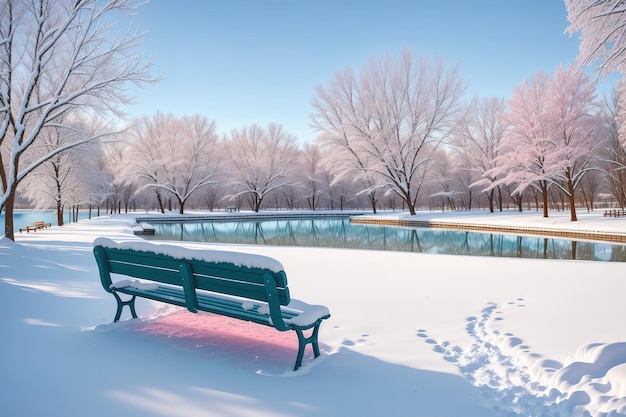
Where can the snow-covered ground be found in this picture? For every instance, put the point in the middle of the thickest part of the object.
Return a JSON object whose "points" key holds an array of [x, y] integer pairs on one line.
{"points": [[410, 335]]}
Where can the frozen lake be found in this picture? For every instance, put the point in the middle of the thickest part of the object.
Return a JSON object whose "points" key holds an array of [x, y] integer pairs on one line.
{"points": [[341, 233]]}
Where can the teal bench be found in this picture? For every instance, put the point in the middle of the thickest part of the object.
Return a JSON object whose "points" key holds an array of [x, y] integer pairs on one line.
{"points": [[243, 286]]}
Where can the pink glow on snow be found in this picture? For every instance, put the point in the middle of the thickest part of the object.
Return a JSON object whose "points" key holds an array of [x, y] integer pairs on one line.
{"points": [[225, 338]]}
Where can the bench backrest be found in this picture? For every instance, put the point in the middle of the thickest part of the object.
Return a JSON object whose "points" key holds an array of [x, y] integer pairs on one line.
{"points": [[253, 282]]}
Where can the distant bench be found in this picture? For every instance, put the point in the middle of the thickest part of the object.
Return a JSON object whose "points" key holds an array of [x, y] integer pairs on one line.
{"points": [[243, 286], [615, 213], [36, 226]]}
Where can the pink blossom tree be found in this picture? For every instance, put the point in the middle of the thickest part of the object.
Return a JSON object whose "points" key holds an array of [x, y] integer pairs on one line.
{"points": [[527, 141], [554, 135], [575, 116]]}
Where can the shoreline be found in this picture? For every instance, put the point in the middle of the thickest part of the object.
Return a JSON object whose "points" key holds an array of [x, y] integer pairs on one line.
{"points": [[598, 236], [590, 226]]}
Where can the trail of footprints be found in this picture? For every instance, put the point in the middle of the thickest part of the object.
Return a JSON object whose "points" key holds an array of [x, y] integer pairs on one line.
{"points": [[506, 384]]}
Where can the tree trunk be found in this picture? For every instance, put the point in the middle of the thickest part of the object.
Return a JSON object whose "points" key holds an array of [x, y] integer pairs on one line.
{"points": [[59, 214], [373, 203], [572, 199], [8, 215], [490, 198], [407, 199], [160, 201], [544, 195]]}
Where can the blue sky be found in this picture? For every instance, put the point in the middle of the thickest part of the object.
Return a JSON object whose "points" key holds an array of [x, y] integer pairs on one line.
{"points": [[240, 62]]}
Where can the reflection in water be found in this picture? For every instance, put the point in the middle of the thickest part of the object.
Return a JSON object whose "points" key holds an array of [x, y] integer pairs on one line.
{"points": [[340, 233]]}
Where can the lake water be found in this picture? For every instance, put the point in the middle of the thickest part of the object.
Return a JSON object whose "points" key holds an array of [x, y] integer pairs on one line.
{"points": [[23, 218], [341, 233]]}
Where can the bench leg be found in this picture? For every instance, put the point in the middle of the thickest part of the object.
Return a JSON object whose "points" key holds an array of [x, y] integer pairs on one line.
{"points": [[303, 341], [120, 305]]}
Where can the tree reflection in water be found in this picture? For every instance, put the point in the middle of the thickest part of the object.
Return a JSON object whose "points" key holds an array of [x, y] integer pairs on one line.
{"points": [[340, 233]]}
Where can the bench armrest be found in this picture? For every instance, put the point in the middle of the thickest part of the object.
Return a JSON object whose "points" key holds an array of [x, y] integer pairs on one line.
{"points": [[309, 317]]}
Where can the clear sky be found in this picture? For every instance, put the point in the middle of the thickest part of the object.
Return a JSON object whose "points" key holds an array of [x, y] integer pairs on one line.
{"points": [[240, 62]]}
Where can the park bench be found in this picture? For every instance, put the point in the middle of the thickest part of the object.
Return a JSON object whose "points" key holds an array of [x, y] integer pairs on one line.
{"points": [[36, 226], [243, 286], [41, 225], [615, 213]]}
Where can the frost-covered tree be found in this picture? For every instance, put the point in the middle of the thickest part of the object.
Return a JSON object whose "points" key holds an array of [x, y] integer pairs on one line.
{"points": [[615, 156], [58, 181], [144, 144], [98, 174], [260, 161], [313, 174], [602, 27], [527, 142], [172, 155], [475, 141], [576, 118], [554, 135], [58, 59], [388, 120], [120, 190], [444, 185]]}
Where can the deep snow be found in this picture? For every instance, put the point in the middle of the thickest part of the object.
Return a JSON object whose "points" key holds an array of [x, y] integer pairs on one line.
{"points": [[410, 335]]}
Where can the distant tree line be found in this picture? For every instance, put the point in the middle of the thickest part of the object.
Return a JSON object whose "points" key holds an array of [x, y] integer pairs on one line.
{"points": [[399, 133], [553, 145]]}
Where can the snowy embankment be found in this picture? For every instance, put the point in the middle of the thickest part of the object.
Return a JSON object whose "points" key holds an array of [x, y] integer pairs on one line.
{"points": [[410, 335]]}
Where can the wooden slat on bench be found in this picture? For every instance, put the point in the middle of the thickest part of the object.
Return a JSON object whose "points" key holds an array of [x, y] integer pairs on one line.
{"points": [[160, 270], [233, 310], [157, 295], [239, 281], [235, 272]]}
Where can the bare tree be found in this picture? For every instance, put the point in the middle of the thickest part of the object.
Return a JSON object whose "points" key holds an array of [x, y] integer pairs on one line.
{"points": [[176, 156], [602, 27], [615, 156], [57, 180], [121, 188], [97, 173], [261, 161], [476, 140], [313, 174], [389, 119], [58, 59]]}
